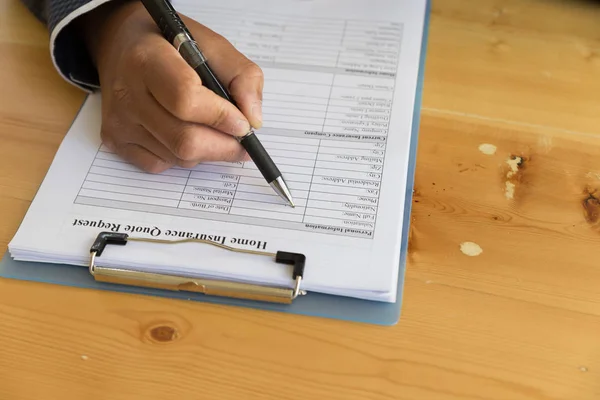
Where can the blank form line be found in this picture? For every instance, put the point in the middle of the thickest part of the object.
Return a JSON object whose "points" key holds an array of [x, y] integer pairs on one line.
{"points": [[346, 50], [309, 32], [245, 208], [226, 12], [353, 50], [235, 183], [137, 179], [301, 173], [233, 167], [137, 172], [326, 118], [327, 98], [296, 95], [133, 194], [320, 84], [313, 110], [132, 186]]}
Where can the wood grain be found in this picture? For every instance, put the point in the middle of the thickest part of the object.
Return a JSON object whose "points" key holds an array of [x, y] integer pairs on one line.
{"points": [[520, 321]]}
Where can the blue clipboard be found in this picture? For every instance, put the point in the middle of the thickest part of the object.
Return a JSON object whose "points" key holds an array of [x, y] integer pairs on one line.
{"points": [[314, 304]]}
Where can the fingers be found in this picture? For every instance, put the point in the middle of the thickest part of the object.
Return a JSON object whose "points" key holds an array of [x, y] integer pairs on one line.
{"points": [[142, 158], [140, 136], [243, 78], [188, 142], [179, 90], [136, 145]]}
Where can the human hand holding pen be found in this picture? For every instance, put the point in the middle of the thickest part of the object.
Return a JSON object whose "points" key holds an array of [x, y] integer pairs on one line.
{"points": [[155, 112]]}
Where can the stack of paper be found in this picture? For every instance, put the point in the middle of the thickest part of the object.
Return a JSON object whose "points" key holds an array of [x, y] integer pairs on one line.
{"points": [[340, 84]]}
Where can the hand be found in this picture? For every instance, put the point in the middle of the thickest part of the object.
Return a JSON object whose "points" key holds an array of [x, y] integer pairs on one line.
{"points": [[155, 112]]}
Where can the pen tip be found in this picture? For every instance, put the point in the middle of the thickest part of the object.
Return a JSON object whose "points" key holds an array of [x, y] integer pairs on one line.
{"points": [[281, 188]]}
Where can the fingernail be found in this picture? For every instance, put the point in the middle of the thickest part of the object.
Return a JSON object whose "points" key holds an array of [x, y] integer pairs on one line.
{"points": [[241, 127], [257, 113]]}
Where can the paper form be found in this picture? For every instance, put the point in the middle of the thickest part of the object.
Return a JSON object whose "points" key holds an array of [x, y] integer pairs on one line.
{"points": [[340, 80]]}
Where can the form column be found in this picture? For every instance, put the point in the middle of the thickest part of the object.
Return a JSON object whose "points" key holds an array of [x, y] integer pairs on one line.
{"points": [[360, 105], [211, 187], [345, 187], [371, 46], [295, 101]]}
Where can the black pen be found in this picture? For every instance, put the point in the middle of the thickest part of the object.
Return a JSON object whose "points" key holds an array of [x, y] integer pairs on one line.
{"points": [[175, 31]]}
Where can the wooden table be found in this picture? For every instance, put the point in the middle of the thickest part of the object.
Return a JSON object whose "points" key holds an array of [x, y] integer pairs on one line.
{"points": [[519, 321]]}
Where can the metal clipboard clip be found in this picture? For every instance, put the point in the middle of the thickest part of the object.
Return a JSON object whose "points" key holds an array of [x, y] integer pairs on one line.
{"points": [[211, 287]]}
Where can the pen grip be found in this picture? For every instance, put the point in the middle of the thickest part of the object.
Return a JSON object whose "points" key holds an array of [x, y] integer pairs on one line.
{"points": [[251, 144], [261, 158]]}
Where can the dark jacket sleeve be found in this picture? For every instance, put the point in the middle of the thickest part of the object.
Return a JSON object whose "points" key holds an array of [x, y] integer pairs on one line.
{"points": [[67, 49]]}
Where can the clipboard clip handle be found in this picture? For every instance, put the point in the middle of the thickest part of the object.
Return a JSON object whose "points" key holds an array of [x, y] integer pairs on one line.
{"points": [[214, 287]]}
